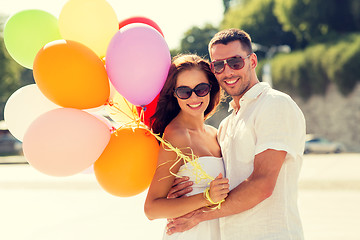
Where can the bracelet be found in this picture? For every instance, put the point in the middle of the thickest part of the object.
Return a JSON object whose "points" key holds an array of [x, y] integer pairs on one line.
{"points": [[207, 197]]}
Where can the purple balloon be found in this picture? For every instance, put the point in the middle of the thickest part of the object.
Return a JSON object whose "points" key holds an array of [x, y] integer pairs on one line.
{"points": [[137, 62]]}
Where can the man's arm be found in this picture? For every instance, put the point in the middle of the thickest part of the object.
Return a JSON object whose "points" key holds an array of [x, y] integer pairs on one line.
{"points": [[246, 195]]}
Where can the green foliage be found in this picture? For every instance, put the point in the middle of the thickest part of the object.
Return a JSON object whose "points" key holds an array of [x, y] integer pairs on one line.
{"points": [[257, 18], [355, 12], [310, 20], [2, 23], [318, 32], [309, 72], [316, 70], [346, 56], [196, 40], [10, 73], [226, 4], [259, 68], [229, 3], [289, 75]]}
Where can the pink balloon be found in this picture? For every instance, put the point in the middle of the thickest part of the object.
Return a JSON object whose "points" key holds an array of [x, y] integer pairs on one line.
{"points": [[65, 141], [137, 62]]}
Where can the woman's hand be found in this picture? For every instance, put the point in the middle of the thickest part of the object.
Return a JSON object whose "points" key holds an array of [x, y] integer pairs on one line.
{"points": [[219, 188]]}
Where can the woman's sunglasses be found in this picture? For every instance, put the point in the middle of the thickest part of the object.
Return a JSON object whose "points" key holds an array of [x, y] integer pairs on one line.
{"points": [[236, 63], [201, 90]]}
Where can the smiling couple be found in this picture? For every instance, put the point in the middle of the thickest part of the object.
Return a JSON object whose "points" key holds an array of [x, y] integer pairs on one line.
{"points": [[254, 158]]}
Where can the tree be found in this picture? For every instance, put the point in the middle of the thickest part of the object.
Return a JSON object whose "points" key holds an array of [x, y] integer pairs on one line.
{"points": [[311, 20], [196, 40], [2, 23], [257, 18], [355, 12], [12, 75], [229, 3], [226, 5]]}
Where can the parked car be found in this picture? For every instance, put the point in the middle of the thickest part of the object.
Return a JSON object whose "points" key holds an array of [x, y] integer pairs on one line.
{"points": [[9, 145], [322, 145]]}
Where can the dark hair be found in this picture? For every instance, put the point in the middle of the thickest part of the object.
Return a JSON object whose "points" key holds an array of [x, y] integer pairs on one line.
{"points": [[168, 108], [230, 35]]}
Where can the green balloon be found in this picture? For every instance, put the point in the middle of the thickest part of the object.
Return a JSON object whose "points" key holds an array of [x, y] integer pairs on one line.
{"points": [[26, 32]]}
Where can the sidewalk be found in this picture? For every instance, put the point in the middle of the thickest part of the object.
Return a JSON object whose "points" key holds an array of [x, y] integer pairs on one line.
{"points": [[12, 159], [35, 206], [331, 171], [329, 196], [319, 171]]}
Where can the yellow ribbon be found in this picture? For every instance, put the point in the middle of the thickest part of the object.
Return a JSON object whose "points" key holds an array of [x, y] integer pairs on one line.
{"points": [[208, 198], [137, 122], [198, 172]]}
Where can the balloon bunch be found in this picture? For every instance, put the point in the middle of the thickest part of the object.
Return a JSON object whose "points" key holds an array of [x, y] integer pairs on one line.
{"points": [[83, 62]]}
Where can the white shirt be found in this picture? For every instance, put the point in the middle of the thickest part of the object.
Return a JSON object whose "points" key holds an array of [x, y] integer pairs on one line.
{"points": [[267, 119]]}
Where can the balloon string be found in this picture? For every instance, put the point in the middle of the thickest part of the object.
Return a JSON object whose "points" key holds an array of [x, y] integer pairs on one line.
{"points": [[138, 122], [142, 114], [115, 105], [191, 159]]}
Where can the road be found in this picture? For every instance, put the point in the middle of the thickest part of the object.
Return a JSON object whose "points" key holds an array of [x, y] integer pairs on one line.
{"points": [[34, 206]]}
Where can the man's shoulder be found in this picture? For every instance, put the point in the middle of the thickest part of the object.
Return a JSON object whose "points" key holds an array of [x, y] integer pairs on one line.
{"points": [[276, 98], [276, 94], [224, 121]]}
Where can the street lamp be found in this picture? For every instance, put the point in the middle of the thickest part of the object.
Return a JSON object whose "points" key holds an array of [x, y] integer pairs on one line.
{"points": [[269, 54]]}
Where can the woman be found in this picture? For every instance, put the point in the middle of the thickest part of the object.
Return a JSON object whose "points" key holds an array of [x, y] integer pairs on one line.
{"points": [[190, 94]]}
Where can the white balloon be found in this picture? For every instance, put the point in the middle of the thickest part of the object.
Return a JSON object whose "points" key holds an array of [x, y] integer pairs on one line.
{"points": [[23, 107]]}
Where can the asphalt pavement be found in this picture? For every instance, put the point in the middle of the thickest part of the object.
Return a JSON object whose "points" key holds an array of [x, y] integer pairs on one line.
{"points": [[34, 206]]}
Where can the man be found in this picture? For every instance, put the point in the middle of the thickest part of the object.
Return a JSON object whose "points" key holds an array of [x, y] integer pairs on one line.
{"points": [[262, 143]]}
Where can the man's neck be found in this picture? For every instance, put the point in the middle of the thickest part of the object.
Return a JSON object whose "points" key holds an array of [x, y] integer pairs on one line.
{"points": [[237, 98]]}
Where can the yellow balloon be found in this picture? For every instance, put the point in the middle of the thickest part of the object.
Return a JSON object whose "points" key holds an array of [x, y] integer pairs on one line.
{"points": [[122, 111], [92, 23]]}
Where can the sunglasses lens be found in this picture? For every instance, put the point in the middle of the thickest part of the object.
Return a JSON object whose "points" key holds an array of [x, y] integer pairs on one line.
{"points": [[218, 66], [236, 62], [202, 89], [183, 92]]}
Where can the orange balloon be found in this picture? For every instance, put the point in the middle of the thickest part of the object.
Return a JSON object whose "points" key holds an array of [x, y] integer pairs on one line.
{"points": [[71, 75], [128, 163]]}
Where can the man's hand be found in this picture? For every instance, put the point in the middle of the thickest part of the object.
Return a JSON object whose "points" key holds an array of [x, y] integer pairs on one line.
{"points": [[180, 187], [184, 223]]}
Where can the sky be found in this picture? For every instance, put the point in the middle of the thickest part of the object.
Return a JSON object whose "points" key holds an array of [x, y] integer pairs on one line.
{"points": [[174, 17]]}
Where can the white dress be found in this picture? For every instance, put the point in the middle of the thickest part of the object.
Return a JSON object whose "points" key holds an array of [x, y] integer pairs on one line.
{"points": [[207, 230]]}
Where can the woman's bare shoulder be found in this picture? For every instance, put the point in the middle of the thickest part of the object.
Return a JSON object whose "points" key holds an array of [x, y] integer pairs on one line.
{"points": [[177, 136]]}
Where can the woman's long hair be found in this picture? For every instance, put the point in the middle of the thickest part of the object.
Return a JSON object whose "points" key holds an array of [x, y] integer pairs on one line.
{"points": [[168, 108]]}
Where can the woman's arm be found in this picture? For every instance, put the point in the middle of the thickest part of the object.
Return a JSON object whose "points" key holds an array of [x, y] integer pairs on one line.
{"points": [[157, 205]]}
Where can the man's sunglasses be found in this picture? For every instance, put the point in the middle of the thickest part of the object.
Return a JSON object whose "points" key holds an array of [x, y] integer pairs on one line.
{"points": [[235, 62], [201, 90]]}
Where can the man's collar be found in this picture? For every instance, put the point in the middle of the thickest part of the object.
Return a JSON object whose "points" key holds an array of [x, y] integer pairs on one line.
{"points": [[251, 94]]}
